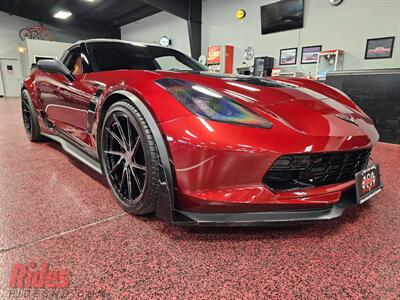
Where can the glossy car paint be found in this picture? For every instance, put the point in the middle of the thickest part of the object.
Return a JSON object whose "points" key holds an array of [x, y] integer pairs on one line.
{"points": [[218, 167]]}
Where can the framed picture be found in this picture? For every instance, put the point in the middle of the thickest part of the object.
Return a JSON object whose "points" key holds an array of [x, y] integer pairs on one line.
{"points": [[288, 56], [379, 48], [309, 54]]}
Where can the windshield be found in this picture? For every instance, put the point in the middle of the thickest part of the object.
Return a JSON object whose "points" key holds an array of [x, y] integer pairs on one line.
{"points": [[110, 56]]}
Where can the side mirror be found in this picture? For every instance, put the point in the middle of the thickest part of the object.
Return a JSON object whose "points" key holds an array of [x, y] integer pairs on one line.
{"points": [[56, 67]]}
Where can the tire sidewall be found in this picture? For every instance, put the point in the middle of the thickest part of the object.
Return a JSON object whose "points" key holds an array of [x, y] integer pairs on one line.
{"points": [[35, 129], [120, 107]]}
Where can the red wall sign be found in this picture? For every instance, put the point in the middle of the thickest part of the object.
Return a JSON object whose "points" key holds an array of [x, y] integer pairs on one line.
{"points": [[214, 55]]}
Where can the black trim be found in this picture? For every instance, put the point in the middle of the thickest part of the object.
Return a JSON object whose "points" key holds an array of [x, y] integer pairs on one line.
{"points": [[76, 152], [92, 109], [60, 133], [185, 218], [77, 144], [65, 59], [46, 122], [86, 65]]}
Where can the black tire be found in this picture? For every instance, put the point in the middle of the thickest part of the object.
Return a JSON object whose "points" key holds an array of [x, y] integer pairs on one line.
{"points": [[129, 160], [47, 35], [29, 118], [25, 33]]}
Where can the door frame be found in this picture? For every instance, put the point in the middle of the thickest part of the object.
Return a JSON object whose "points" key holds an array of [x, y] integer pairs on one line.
{"points": [[2, 82], [3, 76]]}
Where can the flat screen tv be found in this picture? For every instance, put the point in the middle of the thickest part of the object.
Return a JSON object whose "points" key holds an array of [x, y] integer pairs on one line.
{"points": [[282, 15]]}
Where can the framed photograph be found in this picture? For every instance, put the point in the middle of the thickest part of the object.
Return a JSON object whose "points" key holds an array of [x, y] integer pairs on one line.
{"points": [[379, 48], [288, 56], [309, 54]]}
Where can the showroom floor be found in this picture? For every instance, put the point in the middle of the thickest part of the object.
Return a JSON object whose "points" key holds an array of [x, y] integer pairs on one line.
{"points": [[56, 211]]}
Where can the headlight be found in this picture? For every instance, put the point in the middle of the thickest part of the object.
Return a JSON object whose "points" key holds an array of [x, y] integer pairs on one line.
{"points": [[210, 104]]}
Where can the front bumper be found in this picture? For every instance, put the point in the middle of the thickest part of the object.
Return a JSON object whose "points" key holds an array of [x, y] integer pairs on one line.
{"points": [[185, 218], [219, 173], [220, 168]]}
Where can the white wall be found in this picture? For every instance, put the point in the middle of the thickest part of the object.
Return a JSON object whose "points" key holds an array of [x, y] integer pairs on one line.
{"points": [[40, 48], [150, 29], [9, 38], [10, 41], [346, 27]]}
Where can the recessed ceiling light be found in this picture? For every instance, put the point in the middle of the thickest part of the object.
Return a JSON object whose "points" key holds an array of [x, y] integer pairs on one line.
{"points": [[62, 14]]}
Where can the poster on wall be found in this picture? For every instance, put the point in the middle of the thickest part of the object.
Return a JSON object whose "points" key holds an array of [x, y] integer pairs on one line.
{"points": [[214, 55], [379, 48], [309, 54], [288, 56]]}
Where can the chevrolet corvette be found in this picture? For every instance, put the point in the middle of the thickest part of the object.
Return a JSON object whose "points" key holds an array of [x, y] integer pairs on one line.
{"points": [[201, 148]]}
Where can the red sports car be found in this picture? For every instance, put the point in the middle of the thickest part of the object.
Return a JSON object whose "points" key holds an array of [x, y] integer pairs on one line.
{"points": [[201, 148]]}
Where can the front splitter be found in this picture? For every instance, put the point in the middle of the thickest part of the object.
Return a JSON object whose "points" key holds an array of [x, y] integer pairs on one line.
{"points": [[186, 218]]}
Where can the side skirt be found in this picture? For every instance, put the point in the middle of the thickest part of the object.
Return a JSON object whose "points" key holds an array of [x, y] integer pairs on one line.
{"points": [[76, 152]]}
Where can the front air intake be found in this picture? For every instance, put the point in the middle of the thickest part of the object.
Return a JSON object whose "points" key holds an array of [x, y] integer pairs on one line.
{"points": [[318, 169]]}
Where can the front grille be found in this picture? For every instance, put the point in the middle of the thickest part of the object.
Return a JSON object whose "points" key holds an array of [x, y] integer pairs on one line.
{"points": [[317, 169]]}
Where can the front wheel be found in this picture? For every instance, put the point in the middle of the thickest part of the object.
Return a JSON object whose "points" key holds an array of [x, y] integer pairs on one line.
{"points": [[25, 33], [129, 158], [29, 117]]}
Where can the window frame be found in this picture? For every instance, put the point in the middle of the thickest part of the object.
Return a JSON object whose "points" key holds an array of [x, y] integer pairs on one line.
{"points": [[95, 69], [86, 66]]}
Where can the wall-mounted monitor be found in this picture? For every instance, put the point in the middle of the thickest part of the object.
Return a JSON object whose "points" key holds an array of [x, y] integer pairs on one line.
{"points": [[282, 15]]}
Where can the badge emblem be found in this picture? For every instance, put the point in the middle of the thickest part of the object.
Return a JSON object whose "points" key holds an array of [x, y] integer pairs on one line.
{"points": [[368, 182]]}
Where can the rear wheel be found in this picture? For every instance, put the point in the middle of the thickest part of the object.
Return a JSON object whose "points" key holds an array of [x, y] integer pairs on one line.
{"points": [[129, 158], [46, 35], [29, 117]]}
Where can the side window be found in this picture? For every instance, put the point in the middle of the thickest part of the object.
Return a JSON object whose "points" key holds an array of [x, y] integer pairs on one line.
{"points": [[73, 61], [171, 63]]}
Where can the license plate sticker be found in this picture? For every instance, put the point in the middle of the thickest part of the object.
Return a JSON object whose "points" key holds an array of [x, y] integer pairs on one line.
{"points": [[368, 183]]}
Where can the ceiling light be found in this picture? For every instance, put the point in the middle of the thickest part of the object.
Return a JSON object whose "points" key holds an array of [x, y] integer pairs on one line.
{"points": [[62, 14]]}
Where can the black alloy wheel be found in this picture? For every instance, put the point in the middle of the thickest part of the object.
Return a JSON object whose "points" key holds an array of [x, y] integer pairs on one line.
{"points": [[129, 158], [29, 117], [26, 115]]}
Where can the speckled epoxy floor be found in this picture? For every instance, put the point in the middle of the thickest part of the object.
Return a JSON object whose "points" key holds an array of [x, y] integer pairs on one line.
{"points": [[52, 209]]}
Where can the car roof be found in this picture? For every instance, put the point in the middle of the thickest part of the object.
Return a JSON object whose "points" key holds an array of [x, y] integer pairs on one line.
{"points": [[112, 41]]}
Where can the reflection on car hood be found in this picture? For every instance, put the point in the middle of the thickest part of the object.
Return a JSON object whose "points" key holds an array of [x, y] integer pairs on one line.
{"points": [[297, 107]]}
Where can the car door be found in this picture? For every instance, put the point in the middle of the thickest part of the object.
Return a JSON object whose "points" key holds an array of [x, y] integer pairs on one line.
{"points": [[70, 112]]}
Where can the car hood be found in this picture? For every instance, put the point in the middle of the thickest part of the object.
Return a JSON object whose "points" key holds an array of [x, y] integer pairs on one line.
{"points": [[294, 106]]}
